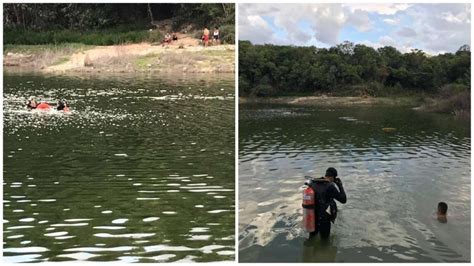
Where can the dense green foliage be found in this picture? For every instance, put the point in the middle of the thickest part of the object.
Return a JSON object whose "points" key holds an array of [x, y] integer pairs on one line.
{"points": [[92, 37], [347, 69], [105, 24], [204, 15]]}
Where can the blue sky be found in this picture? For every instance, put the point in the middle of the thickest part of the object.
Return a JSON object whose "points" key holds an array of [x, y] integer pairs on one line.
{"points": [[434, 28]]}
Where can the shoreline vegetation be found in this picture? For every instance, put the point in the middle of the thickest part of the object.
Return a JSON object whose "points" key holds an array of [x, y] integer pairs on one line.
{"points": [[457, 105], [117, 38], [355, 74], [324, 100]]}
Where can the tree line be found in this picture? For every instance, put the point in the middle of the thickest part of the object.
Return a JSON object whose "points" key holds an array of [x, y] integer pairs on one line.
{"points": [[348, 69], [34, 18]]}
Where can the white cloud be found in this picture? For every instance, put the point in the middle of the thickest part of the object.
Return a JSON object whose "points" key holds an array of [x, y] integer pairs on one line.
{"points": [[387, 41], [383, 9], [257, 21], [430, 27], [300, 36], [456, 19], [254, 28], [441, 27], [360, 20], [391, 21], [406, 32], [326, 21]]}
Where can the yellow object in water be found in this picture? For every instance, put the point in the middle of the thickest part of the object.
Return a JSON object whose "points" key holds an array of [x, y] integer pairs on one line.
{"points": [[389, 129]]}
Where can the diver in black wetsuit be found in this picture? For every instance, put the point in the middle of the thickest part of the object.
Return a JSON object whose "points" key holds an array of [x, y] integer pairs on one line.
{"points": [[326, 208]]}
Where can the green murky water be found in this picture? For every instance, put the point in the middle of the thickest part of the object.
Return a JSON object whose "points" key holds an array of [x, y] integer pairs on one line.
{"points": [[393, 182], [141, 169]]}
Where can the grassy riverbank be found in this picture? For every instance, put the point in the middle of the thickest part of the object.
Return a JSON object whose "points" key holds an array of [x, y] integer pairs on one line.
{"points": [[453, 99], [450, 100], [184, 56], [39, 56], [335, 101]]}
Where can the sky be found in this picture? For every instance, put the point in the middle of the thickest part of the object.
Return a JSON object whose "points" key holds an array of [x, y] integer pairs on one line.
{"points": [[433, 28]]}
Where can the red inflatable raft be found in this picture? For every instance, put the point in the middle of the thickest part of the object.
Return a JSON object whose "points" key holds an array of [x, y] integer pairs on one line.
{"points": [[43, 107]]}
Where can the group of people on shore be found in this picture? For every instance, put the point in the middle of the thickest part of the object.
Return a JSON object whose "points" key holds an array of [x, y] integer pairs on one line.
{"points": [[170, 38], [216, 37], [205, 38]]}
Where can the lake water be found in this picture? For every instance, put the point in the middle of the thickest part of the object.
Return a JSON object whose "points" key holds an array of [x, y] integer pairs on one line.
{"points": [[141, 169], [393, 181]]}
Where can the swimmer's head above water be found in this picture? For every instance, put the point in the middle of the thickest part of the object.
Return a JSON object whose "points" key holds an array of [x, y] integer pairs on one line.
{"points": [[62, 104], [442, 212], [31, 103]]}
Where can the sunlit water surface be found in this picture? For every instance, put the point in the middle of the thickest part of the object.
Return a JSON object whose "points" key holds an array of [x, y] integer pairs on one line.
{"points": [[141, 169]]}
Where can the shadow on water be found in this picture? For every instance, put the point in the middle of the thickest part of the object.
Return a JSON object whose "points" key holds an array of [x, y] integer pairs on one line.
{"points": [[319, 250], [295, 250], [393, 181]]}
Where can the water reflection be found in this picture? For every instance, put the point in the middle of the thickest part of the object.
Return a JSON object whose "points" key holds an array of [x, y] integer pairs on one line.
{"points": [[319, 250]]}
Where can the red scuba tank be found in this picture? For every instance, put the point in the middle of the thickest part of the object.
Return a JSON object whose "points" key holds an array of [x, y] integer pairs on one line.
{"points": [[309, 214]]}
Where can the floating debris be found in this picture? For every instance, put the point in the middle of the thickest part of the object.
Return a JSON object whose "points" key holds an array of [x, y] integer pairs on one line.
{"points": [[389, 129]]}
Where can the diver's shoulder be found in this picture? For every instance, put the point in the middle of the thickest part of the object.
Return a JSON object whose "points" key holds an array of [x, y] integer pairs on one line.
{"points": [[320, 180]]}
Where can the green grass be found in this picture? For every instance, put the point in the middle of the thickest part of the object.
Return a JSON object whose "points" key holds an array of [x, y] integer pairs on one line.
{"points": [[61, 60], [218, 53], [92, 37], [38, 49], [143, 61]]}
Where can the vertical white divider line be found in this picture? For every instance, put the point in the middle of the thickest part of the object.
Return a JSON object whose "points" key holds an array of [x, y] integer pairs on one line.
{"points": [[236, 112], [1, 115]]}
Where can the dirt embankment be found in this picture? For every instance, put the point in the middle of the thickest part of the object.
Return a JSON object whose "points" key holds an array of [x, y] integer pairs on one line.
{"points": [[186, 55]]}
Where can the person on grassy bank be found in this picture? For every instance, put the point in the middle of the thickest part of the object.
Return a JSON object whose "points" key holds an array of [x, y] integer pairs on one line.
{"points": [[216, 39], [205, 37], [167, 39]]}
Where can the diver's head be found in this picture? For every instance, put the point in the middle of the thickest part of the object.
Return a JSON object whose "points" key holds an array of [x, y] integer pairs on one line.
{"points": [[442, 208], [331, 174]]}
